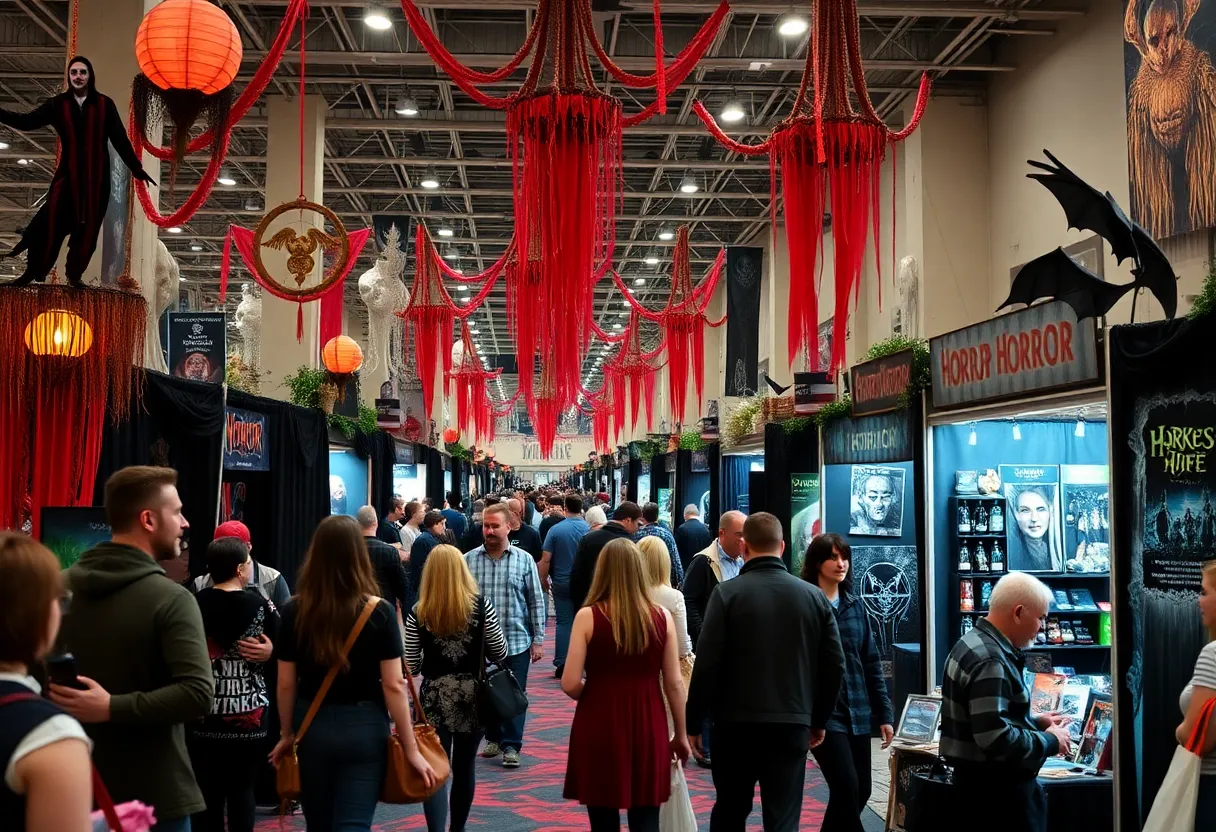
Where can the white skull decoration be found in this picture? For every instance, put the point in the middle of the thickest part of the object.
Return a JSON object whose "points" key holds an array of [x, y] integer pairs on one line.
{"points": [[457, 355], [249, 323]]}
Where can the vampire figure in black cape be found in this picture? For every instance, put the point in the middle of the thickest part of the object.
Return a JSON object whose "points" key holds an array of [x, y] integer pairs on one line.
{"points": [[76, 203]]}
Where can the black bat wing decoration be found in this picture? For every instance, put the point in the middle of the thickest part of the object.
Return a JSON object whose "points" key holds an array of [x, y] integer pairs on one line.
{"points": [[1154, 272], [777, 388], [1057, 276], [1086, 208]]}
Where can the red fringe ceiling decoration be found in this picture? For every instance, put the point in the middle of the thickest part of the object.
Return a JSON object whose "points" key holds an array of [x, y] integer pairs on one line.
{"points": [[826, 150], [634, 368], [683, 331], [474, 413], [53, 408], [546, 409], [564, 139]]}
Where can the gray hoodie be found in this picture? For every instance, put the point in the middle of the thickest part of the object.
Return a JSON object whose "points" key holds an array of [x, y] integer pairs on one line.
{"points": [[140, 636]]}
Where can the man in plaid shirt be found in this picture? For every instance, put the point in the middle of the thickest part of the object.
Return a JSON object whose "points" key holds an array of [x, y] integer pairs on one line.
{"points": [[507, 577], [988, 735], [652, 526]]}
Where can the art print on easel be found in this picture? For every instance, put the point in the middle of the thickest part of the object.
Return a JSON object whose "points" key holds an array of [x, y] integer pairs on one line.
{"points": [[876, 502], [1032, 494]]}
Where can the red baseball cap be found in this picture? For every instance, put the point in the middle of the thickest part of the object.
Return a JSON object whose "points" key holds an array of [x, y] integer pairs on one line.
{"points": [[233, 528]]}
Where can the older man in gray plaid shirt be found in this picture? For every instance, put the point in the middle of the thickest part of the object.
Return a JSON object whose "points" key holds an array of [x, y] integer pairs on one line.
{"points": [[507, 577], [988, 735]]}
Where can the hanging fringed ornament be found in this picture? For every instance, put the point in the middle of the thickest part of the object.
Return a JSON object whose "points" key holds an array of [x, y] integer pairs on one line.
{"points": [[830, 156], [683, 323], [474, 415], [632, 371]]}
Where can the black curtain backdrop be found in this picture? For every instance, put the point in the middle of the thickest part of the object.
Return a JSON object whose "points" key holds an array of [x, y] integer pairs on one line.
{"points": [[1153, 372], [715, 485], [734, 480], [690, 486], [297, 484], [785, 454], [434, 475], [180, 426], [744, 273], [381, 452]]}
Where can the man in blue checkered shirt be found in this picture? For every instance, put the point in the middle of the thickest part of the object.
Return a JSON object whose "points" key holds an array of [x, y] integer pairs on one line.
{"points": [[652, 526], [988, 734], [508, 578]]}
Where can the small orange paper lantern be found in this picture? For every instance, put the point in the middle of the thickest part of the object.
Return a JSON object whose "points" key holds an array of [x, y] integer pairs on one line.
{"points": [[188, 45], [450, 435], [342, 356], [59, 333]]}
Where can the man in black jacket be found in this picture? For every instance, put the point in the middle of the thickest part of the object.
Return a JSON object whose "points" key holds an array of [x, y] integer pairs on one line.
{"points": [[717, 563], [692, 536], [386, 561], [625, 522], [434, 530], [768, 673]]}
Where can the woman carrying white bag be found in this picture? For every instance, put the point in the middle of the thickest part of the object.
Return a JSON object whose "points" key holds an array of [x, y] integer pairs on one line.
{"points": [[1186, 801]]}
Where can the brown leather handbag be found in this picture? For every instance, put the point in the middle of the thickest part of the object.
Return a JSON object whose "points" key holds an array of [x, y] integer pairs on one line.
{"points": [[402, 783], [287, 770]]}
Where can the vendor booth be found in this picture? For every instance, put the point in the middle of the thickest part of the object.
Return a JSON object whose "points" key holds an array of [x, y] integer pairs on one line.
{"points": [[790, 481], [698, 484]]}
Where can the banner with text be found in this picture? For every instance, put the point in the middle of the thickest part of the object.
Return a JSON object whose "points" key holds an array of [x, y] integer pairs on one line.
{"points": [[804, 516], [196, 345], [245, 447], [867, 440], [744, 273], [1029, 351], [876, 386]]}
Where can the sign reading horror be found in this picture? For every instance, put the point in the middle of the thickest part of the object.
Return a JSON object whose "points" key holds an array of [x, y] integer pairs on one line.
{"points": [[245, 441], [1033, 350], [876, 386]]}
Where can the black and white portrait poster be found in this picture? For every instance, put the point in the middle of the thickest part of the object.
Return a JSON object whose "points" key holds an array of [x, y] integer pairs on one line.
{"points": [[1032, 517], [744, 272], [885, 580], [876, 503]]}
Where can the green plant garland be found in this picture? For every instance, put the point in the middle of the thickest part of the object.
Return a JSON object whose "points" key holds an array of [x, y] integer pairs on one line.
{"points": [[741, 420], [830, 412], [305, 391], [458, 450], [1205, 303], [690, 440]]}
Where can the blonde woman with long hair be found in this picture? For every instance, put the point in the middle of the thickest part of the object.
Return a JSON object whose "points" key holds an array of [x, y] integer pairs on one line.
{"points": [[344, 753], [620, 755], [444, 635], [1196, 695]]}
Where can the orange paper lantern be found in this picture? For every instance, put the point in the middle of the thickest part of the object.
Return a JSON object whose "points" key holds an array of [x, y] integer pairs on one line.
{"points": [[450, 435], [58, 333], [188, 45], [341, 356]]}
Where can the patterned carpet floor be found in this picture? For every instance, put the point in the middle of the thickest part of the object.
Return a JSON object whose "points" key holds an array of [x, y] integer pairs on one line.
{"points": [[529, 799]]}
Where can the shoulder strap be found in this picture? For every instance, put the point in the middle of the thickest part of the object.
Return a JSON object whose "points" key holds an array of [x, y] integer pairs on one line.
{"points": [[1199, 734], [368, 609]]}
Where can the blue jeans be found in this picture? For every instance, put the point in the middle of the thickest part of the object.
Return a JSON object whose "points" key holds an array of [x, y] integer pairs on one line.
{"points": [[563, 605], [175, 825], [462, 752], [511, 733], [342, 761]]}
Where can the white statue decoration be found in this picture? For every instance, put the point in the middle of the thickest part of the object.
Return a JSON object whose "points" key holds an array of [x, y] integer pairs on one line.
{"points": [[457, 354], [908, 282], [167, 282], [385, 295], [249, 324]]}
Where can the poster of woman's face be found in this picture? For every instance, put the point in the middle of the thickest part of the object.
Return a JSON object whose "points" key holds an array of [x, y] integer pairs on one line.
{"points": [[877, 502], [1033, 527]]}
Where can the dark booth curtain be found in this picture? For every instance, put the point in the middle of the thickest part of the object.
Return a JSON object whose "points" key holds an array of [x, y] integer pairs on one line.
{"points": [[734, 480], [297, 484], [434, 477], [381, 452], [691, 489], [786, 454], [179, 426], [714, 452]]}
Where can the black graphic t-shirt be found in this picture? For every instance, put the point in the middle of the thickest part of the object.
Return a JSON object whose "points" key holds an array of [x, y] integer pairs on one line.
{"points": [[238, 710]]}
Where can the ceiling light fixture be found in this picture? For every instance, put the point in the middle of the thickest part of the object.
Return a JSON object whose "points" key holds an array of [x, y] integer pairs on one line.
{"points": [[732, 113], [462, 288], [196, 246], [972, 440], [667, 234], [650, 261], [617, 326], [3, 145], [23, 162], [445, 231], [376, 18], [791, 26], [688, 185], [430, 179], [639, 281], [177, 229], [407, 106], [252, 205], [226, 178]]}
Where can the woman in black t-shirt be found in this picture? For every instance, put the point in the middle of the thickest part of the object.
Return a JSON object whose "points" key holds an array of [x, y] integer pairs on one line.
{"points": [[343, 755], [225, 746], [443, 641]]}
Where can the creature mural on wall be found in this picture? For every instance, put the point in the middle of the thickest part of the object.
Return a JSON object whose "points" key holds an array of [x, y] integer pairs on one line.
{"points": [[1171, 113]]}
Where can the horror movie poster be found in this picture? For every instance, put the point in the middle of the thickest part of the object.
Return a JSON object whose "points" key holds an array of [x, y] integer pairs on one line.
{"points": [[885, 580], [245, 446], [1168, 49]]}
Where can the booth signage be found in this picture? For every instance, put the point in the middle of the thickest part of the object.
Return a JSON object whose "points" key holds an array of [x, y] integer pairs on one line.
{"points": [[886, 437], [404, 453], [197, 344], [561, 450], [1033, 350], [388, 413], [812, 391], [876, 386], [245, 441]]}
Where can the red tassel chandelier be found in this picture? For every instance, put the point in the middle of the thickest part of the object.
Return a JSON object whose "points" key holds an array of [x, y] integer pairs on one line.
{"points": [[474, 413], [829, 155], [634, 369], [564, 139]]}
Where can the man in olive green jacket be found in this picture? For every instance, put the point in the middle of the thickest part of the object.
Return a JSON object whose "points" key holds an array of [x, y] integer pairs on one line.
{"points": [[141, 654]]}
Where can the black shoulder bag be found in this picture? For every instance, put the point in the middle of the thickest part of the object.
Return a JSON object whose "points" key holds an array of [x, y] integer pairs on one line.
{"points": [[499, 695]]}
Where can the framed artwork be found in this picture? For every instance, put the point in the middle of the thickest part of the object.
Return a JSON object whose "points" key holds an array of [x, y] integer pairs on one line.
{"points": [[348, 481], [1086, 514], [921, 716], [700, 462], [1087, 254], [876, 501], [1032, 518]]}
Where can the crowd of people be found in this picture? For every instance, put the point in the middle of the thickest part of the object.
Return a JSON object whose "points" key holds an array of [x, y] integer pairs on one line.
{"points": [[184, 692]]}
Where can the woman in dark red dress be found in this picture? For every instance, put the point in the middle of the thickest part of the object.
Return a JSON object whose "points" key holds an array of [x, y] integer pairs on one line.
{"points": [[620, 757]]}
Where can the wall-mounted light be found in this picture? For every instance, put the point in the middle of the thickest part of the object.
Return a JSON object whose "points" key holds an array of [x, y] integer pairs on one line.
{"points": [[1079, 430], [972, 440], [1017, 432]]}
